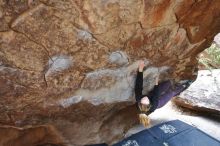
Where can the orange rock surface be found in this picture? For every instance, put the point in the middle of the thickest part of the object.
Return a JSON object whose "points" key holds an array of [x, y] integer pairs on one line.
{"points": [[72, 63]]}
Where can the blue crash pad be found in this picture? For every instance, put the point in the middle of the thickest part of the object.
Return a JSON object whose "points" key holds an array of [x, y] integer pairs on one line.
{"points": [[172, 133]]}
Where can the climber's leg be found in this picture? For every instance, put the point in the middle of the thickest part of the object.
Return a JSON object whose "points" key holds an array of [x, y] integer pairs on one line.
{"points": [[164, 86], [164, 98]]}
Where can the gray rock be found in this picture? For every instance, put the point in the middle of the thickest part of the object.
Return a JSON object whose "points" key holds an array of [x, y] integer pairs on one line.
{"points": [[217, 39], [118, 57], [204, 93]]}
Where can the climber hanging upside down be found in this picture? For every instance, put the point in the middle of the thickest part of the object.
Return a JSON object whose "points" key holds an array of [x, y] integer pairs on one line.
{"points": [[157, 97]]}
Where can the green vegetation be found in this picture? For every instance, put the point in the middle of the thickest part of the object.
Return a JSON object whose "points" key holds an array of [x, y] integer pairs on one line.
{"points": [[210, 58]]}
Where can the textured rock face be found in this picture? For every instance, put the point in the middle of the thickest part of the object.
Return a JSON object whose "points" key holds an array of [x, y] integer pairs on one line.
{"points": [[72, 63], [38, 135], [203, 94]]}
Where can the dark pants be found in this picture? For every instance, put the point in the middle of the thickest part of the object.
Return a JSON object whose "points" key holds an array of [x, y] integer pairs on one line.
{"points": [[167, 92]]}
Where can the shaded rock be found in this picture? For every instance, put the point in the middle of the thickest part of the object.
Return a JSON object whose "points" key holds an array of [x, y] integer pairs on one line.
{"points": [[45, 135], [204, 94], [73, 63]]}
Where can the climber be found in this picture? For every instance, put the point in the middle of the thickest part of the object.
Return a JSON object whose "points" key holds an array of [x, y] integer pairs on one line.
{"points": [[157, 97]]}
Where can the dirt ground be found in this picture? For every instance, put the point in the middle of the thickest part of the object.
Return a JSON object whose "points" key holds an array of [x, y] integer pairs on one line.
{"points": [[208, 124]]}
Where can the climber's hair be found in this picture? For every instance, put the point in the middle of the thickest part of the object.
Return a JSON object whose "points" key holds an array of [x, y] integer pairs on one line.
{"points": [[143, 118]]}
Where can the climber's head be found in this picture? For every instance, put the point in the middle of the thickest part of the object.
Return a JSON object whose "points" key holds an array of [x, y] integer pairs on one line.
{"points": [[145, 100], [144, 104]]}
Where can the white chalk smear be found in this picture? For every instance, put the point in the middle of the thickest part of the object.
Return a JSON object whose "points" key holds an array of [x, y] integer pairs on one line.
{"points": [[59, 63], [69, 101]]}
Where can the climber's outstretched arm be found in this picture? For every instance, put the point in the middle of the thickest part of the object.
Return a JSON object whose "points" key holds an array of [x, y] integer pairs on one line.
{"points": [[139, 82], [139, 86]]}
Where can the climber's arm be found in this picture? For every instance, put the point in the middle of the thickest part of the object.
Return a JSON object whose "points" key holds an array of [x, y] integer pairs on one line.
{"points": [[139, 82], [139, 86], [156, 90]]}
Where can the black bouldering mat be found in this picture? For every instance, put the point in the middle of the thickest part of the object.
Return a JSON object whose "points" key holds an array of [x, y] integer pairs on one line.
{"points": [[172, 133]]}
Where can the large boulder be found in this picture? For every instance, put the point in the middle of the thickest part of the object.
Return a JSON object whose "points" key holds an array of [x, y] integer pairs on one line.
{"points": [[72, 63], [204, 94]]}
